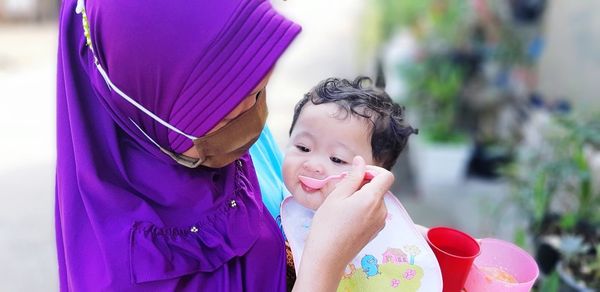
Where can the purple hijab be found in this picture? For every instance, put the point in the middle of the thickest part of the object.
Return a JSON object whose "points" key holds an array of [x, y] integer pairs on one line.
{"points": [[128, 218]]}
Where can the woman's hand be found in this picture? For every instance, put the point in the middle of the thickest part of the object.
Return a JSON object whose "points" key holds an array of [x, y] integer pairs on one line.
{"points": [[347, 220]]}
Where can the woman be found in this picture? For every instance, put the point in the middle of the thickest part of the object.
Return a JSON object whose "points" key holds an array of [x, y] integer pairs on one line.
{"points": [[158, 102]]}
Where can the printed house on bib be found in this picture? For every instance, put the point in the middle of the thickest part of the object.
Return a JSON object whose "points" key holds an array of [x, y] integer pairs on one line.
{"points": [[395, 256]]}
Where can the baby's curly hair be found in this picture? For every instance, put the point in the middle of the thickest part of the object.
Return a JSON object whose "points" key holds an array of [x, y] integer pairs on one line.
{"points": [[390, 131]]}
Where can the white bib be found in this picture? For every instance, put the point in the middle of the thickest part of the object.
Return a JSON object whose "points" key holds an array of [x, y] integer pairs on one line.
{"points": [[398, 259]]}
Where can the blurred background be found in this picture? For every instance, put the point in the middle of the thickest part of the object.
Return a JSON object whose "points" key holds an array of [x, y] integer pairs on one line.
{"points": [[504, 93]]}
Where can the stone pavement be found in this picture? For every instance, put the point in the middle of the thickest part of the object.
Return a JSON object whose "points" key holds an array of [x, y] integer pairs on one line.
{"points": [[327, 47]]}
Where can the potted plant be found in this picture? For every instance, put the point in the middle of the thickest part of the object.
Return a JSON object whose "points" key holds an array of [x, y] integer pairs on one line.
{"points": [[434, 80], [431, 81], [579, 268], [554, 185], [435, 84]]}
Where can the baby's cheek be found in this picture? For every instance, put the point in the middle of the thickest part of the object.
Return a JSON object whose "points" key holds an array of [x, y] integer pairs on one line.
{"points": [[287, 172], [327, 189]]}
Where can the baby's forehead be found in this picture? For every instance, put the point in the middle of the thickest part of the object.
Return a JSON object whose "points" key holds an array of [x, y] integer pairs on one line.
{"points": [[335, 118], [339, 111], [327, 122]]}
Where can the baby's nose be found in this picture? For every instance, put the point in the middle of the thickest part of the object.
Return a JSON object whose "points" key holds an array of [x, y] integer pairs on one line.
{"points": [[313, 166]]}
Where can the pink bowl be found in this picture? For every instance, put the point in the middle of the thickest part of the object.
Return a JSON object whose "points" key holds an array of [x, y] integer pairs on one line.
{"points": [[499, 255]]}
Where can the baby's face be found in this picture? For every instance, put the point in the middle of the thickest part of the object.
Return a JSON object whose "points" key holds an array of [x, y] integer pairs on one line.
{"points": [[323, 143]]}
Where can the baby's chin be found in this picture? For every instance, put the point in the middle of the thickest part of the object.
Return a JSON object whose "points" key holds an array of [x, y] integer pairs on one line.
{"points": [[310, 200], [305, 196], [314, 206]]}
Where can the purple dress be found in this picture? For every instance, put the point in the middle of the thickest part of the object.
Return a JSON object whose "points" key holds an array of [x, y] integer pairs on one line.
{"points": [[128, 218]]}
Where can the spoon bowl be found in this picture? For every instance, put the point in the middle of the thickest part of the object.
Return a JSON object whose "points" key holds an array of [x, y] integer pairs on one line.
{"points": [[315, 183]]}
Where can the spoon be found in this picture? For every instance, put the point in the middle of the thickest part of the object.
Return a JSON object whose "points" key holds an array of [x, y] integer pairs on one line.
{"points": [[315, 183]]}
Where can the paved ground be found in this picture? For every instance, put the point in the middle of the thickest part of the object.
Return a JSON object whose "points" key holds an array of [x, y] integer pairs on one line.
{"points": [[27, 56], [327, 47]]}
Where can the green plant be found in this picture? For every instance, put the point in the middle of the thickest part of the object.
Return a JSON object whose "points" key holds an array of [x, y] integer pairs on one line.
{"points": [[553, 184], [434, 87], [550, 283], [448, 21], [555, 178], [434, 81], [384, 17], [398, 14], [595, 265], [583, 133], [581, 261], [439, 19]]}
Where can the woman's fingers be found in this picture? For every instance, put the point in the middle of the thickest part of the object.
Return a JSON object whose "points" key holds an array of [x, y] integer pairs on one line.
{"points": [[379, 184], [352, 182], [378, 220], [371, 194]]}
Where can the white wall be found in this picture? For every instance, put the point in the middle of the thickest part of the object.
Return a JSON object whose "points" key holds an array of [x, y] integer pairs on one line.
{"points": [[570, 65]]}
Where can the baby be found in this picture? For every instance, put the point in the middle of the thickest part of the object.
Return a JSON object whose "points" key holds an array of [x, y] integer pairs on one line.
{"points": [[337, 120]]}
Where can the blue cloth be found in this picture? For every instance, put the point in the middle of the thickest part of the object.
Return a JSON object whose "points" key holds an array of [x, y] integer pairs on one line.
{"points": [[267, 160]]}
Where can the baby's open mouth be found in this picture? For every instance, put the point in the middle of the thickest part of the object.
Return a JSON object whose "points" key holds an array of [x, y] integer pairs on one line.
{"points": [[307, 188]]}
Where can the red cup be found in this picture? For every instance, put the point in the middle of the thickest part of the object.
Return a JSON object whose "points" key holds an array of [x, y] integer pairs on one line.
{"points": [[455, 252]]}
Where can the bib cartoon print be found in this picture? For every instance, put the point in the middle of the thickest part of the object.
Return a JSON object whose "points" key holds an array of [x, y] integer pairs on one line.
{"points": [[398, 259]]}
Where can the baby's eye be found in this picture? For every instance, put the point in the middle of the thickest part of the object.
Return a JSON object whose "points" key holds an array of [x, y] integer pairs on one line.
{"points": [[302, 148], [337, 160]]}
